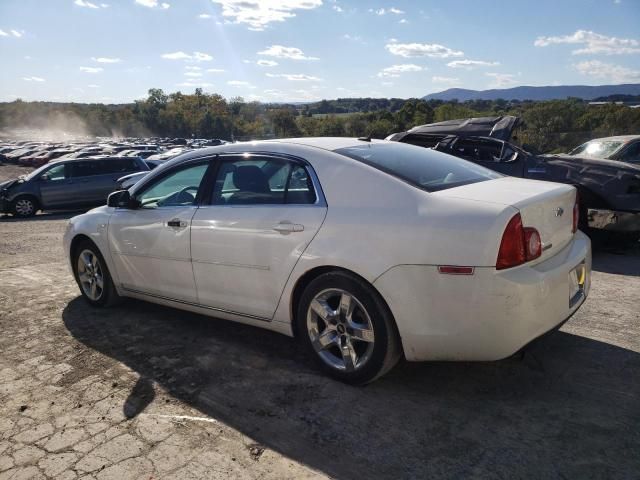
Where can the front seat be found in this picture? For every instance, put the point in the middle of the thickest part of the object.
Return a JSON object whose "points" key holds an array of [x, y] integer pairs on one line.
{"points": [[252, 185]]}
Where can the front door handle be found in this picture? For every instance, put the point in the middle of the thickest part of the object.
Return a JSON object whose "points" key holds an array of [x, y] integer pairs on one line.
{"points": [[176, 223], [288, 227]]}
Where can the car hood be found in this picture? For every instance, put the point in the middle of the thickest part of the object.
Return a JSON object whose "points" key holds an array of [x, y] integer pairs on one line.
{"points": [[500, 127], [581, 162], [9, 183]]}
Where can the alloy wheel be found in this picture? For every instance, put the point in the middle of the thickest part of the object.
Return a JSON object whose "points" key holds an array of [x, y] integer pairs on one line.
{"points": [[24, 207], [90, 275], [340, 330]]}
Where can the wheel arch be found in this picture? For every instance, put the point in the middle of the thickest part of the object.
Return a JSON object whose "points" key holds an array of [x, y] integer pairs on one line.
{"points": [[33, 197], [75, 243], [307, 277]]}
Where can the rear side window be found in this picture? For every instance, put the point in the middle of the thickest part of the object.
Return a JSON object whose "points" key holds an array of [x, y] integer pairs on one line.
{"points": [[262, 181], [85, 169], [478, 150], [118, 165], [424, 168]]}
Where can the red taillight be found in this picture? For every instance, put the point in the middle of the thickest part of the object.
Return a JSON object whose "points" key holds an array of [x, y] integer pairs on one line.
{"points": [[576, 213], [518, 245]]}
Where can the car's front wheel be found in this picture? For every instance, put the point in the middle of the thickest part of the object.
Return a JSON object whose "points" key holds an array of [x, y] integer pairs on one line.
{"points": [[24, 207], [348, 328], [93, 277]]}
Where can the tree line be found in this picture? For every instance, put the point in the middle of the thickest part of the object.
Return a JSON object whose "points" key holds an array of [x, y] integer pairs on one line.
{"points": [[549, 126]]}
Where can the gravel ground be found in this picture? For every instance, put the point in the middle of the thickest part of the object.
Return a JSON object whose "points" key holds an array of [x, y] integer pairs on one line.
{"points": [[144, 391]]}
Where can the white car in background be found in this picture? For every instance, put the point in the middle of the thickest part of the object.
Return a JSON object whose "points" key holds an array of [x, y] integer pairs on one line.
{"points": [[364, 250]]}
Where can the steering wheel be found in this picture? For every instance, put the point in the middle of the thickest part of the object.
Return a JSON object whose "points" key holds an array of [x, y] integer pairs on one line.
{"points": [[180, 198]]}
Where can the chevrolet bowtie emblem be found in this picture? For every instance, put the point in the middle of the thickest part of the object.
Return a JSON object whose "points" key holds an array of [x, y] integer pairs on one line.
{"points": [[559, 211]]}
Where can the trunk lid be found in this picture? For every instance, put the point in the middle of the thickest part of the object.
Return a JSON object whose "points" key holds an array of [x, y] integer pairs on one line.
{"points": [[545, 206]]}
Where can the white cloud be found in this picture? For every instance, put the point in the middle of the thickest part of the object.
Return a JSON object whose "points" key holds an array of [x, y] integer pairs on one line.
{"points": [[204, 15], [152, 4], [403, 21], [608, 71], [215, 70], [433, 50], [85, 4], [396, 70], [195, 84], [93, 85], [91, 69], [593, 43], [12, 32], [501, 80], [193, 57], [257, 14], [445, 80], [3, 33], [266, 63], [16, 33], [106, 60], [192, 74], [470, 64], [384, 11], [292, 53], [192, 67], [338, 8], [33, 79], [353, 38], [295, 77], [240, 83]]}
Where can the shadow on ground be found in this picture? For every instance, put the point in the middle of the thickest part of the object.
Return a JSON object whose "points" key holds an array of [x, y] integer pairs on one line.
{"points": [[570, 408], [57, 215], [621, 257]]}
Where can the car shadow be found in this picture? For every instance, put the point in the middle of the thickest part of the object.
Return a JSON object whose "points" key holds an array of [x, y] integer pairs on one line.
{"points": [[43, 216], [569, 408], [620, 258]]}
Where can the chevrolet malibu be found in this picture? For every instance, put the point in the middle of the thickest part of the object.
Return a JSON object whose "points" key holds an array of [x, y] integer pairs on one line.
{"points": [[364, 250]]}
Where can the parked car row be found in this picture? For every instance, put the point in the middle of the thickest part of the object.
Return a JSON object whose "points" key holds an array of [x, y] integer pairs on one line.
{"points": [[605, 171]]}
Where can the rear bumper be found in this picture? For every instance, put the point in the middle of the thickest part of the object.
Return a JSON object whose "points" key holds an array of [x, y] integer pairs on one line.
{"points": [[613, 221], [485, 316]]}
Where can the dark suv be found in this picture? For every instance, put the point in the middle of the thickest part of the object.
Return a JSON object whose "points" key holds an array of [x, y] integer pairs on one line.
{"points": [[66, 184]]}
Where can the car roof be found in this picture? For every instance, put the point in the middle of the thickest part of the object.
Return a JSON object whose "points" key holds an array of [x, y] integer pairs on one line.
{"points": [[325, 143]]}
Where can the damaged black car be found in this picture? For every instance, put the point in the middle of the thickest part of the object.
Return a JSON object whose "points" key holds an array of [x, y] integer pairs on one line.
{"points": [[609, 190]]}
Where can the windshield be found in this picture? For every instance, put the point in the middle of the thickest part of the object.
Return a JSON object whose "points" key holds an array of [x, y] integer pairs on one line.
{"points": [[421, 167], [597, 148]]}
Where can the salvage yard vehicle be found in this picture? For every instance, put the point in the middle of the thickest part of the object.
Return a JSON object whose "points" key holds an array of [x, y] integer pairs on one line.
{"points": [[624, 148], [364, 250], [66, 184], [609, 190]]}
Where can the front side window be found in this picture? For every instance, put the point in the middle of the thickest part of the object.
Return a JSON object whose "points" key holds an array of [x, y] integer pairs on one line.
{"points": [[422, 167], [632, 153], [179, 188], [56, 173], [262, 181]]}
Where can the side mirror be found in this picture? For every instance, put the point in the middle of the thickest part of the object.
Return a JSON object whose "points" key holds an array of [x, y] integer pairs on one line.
{"points": [[122, 199], [44, 178], [512, 158]]}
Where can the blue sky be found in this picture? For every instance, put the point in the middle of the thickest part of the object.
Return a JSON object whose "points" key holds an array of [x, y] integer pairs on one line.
{"points": [[300, 50]]}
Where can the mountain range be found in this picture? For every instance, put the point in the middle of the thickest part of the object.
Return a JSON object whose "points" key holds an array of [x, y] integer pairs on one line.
{"points": [[559, 92]]}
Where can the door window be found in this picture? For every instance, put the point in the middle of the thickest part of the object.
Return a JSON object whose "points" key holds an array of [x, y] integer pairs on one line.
{"points": [[118, 165], [632, 154], [56, 173], [179, 188], [262, 181], [478, 150], [87, 168]]}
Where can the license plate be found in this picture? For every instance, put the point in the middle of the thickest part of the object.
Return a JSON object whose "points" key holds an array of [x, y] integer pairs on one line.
{"points": [[577, 277]]}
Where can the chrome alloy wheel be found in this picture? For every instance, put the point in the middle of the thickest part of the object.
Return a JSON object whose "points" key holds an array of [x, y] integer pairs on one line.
{"points": [[90, 275], [340, 329], [24, 207]]}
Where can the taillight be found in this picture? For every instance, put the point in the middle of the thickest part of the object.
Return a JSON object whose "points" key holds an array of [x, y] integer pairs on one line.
{"points": [[518, 245], [576, 213]]}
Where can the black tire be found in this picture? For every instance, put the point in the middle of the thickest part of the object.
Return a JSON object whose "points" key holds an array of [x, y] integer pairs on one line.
{"points": [[108, 296], [24, 206], [385, 350]]}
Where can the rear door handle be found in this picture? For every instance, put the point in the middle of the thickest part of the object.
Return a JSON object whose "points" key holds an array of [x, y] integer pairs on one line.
{"points": [[288, 227], [176, 223]]}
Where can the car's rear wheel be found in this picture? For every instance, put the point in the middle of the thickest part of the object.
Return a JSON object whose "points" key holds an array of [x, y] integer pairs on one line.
{"points": [[25, 207], [348, 328], [93, 277]]}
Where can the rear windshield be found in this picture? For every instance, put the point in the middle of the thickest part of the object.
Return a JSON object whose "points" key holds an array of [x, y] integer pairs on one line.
{"points": [[421, 167]]}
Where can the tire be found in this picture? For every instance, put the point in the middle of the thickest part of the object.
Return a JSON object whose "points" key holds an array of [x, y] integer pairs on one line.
{"points": [[24, 207], [354, 338], [90, 271]]}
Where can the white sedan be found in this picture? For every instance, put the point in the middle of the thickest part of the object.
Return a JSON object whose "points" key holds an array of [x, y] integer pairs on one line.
{"points": [[364, 250]]}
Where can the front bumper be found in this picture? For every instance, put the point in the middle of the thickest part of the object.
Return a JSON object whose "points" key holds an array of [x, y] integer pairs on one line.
{"points": [[485, 316], [5, 205], [613, 221]]}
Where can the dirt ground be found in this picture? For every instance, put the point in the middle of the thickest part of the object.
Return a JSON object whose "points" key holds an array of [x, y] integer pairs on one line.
{"points": [[143, 391]]}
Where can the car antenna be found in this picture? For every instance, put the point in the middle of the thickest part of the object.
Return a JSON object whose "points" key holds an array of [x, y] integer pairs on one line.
{"points": [[365, 139]]}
